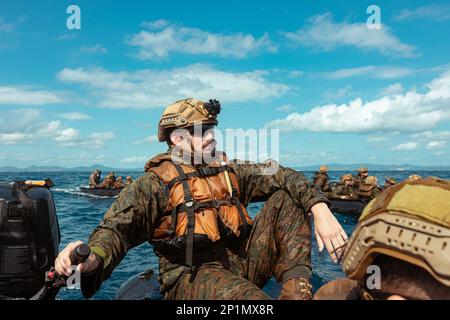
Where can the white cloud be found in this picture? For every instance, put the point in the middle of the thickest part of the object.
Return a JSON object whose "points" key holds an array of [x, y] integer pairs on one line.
{"points": [[324, 34], [134, 159], [151, 139], [28, 126], [95, 49], [337, 93], [12, 138], [376, 139], [378, 72], [408, 112], [395, 88], [75, 116], [295, 74], [408, 146], [285, 108], [28, 96], [428, 135], [150, 88], [433, 145], [166, 38], [431, 12]]}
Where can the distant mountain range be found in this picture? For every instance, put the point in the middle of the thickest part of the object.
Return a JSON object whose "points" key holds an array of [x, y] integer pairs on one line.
{"points": [[375, 167], [331, 167], [64, 169]]}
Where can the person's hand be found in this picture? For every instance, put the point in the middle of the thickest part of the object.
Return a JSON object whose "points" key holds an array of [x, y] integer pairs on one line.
{"points": [[63, 264], [328, 231]]}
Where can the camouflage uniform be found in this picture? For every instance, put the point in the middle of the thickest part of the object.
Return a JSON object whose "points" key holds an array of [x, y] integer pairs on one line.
{"points": [[119, 184], [321, 181], [279, 243], [94, 180]]}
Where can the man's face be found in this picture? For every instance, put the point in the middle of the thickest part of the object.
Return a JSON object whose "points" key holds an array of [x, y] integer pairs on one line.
{"points": [[364, 174], [349, 182], [199, 139]]}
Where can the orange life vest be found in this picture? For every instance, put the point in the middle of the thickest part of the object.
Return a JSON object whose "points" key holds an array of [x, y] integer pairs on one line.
{"points": [[200, 203]]}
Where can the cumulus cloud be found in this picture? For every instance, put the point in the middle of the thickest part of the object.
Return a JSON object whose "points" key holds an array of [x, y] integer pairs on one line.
{"points": [[430, 12], [324, 34], [28, 126], [165, 38], [408, 146], [151, 139], [28, 96], [285, 108], [95, 49], [376, 139], [150, 88], [394, 88], [377, 72], [411, 111], [433, 145], [75, 116], [432, 135]]}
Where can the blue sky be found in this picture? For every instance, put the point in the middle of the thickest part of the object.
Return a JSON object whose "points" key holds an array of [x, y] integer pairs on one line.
{"points": [[338, 91]]}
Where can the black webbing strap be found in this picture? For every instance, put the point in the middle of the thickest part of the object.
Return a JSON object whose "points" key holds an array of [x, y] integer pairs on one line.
{"points": [[200, 172], [189, 206]]}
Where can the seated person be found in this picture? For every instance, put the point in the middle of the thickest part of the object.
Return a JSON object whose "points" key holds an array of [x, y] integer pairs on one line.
{"points": [[344, 189], [94, 179], [119, 184], [404, 233], [369, 189], [389, 182], [128, 180], [321, 179]]}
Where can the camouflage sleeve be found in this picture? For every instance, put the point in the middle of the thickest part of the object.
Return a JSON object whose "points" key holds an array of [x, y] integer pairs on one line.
{"points": [[127, 223], [257, 182]]}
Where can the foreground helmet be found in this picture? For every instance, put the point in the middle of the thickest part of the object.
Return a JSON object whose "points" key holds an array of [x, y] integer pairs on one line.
{"points": [[414, 177], [186, 113], [410, 222]]}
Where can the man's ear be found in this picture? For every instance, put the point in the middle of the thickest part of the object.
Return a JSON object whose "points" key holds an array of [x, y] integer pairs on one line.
{"points": [[177, 136]]}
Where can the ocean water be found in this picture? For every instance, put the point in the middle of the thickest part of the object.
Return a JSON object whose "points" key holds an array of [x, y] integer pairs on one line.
{"points": [[78, 215]]}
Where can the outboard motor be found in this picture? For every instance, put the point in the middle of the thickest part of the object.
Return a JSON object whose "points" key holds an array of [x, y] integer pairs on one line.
{"points": [[29, 238]]}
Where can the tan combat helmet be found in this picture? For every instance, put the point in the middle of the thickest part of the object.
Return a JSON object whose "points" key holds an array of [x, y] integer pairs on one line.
{"points": [[323, 169], [363, 170], [371, 180], [414, 177], [391, 180], [346, 177], [186, 113], [410, 222]]}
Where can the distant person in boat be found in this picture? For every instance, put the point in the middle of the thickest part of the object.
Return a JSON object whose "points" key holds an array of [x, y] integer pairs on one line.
{"points": [[344, 189], [119, 184], [109, 181], [369, 189], [94, 179], [128, 180], [389, 182], [399, 249], [191, 206], [414, 177], [361, 177], [321, 179]]}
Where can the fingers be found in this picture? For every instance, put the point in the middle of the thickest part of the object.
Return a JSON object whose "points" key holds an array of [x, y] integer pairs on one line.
{"points": [[319, 241], [63, 264], [331, 250]]}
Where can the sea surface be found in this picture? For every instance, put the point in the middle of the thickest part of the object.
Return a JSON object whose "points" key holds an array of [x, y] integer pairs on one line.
{"points": [[78, 215]]}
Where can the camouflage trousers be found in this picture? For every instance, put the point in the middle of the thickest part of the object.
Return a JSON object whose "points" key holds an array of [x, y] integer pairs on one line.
{"points": [[279, 245]]}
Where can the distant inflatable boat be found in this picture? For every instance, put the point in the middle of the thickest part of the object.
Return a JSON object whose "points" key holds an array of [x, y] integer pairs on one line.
{"points": [[101, 192], [350, 207]]}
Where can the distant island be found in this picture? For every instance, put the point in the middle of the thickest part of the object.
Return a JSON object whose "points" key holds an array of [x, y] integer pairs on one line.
{"points": [[331, 167]]}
